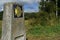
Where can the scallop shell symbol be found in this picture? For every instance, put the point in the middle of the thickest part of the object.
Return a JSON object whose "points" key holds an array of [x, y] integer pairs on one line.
{"points": [[18, 11]]}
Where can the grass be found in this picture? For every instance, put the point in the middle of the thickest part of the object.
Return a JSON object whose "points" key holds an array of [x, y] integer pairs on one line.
{"points": [[0, 28], [43, 32]]}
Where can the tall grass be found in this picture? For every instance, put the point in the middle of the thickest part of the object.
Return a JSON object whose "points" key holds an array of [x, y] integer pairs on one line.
{"points": [[0, 28], [38, 30]]}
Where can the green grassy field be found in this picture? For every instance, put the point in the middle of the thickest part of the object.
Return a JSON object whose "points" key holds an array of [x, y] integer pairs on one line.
{"points": [[44, 32], [38, 32]]}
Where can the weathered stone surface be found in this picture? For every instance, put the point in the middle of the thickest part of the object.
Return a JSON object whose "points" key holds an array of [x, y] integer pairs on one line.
{"points": [[7, 20], [12, 28]]}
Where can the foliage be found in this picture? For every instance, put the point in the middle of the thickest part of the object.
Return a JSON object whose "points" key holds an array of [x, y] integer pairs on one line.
{"points": [[1, 15], [45, 16]]}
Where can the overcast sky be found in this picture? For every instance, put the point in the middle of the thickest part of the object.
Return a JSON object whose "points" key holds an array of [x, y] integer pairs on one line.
{"points": [[29, 5]]}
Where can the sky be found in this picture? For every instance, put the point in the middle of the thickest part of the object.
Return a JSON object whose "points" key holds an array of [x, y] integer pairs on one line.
{"points": [[34, 7], [29, 5]]}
